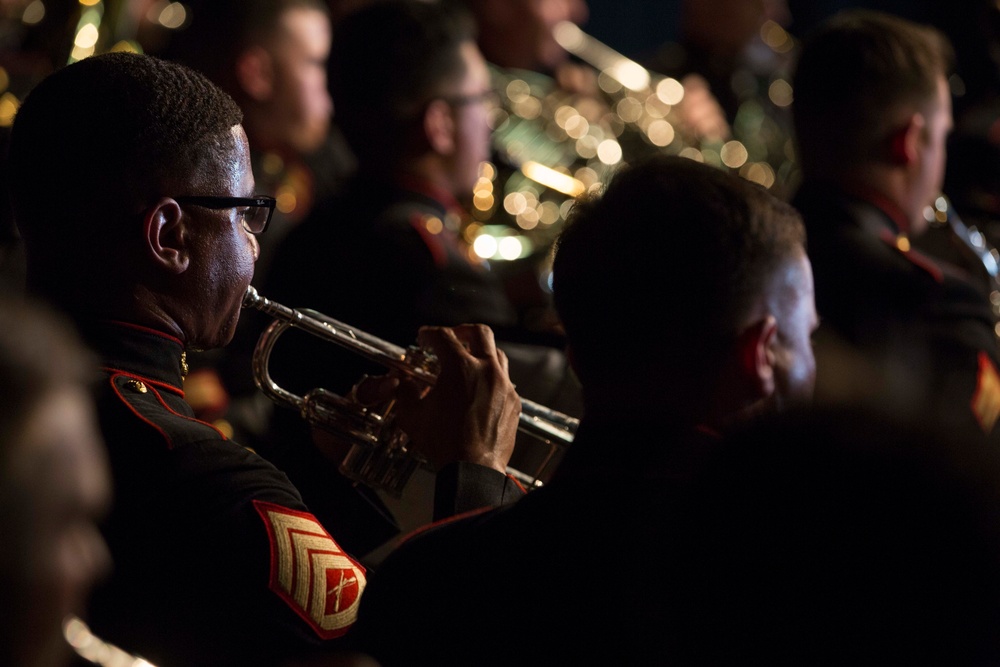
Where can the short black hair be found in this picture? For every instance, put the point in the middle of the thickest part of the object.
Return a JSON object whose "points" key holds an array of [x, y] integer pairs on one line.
{"points": [[657, 273], [98, 140], [390, 58], [853, 69]]}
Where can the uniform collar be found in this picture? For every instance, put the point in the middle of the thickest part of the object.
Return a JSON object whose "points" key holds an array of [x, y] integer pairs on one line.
{"points": [[138, 350]]}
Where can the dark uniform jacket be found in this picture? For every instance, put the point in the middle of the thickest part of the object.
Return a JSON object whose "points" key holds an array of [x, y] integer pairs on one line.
{"points": [[897, 327], [217, 560], [565, 576]]}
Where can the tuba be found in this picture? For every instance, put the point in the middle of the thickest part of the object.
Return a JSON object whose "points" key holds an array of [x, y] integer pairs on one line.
{"points": [[378, 454]]}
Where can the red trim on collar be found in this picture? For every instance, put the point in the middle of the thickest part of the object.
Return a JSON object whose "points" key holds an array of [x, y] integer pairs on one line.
{"points": [[887, 206], [139, 327]]}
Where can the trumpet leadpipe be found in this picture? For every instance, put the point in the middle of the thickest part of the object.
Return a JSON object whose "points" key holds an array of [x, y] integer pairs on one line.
{"points": [[413, 362]]}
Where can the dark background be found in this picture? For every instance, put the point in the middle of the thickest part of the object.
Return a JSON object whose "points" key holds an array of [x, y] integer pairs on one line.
{"points": [[635, 26]]}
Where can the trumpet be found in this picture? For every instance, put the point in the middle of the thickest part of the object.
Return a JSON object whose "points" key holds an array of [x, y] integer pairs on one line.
{"points": [[379, 455]]}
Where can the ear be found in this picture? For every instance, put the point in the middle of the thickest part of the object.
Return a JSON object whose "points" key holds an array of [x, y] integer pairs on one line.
{"points": [[439, 127], [757, 357], [904, 147], [167, 236], [255, 73]]}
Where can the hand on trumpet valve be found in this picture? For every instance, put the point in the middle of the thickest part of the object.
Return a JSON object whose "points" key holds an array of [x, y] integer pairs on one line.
{"points": [[471, 412]]}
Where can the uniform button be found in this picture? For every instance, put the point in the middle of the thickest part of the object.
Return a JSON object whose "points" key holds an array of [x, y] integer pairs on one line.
{"points": [[136, 385]]}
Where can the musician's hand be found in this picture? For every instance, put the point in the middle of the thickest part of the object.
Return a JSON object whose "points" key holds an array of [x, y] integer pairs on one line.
{"points": [[471, 413], [700, 111]]}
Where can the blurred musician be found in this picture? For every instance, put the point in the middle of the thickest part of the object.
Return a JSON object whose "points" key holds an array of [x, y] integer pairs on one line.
{"points": [[734, 60], [872, 114], [573, 111]]}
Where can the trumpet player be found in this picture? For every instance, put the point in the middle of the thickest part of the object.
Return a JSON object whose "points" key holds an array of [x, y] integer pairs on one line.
{"points": [[134, 194]]}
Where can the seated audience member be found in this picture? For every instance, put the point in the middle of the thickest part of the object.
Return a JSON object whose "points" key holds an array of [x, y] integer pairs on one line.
{"points": [[54, 484], [725, 264], [872, 113], [151, 250]]}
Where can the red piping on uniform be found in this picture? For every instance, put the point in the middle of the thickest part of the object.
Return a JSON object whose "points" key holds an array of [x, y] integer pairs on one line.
{"points": [[139, 327], [155, 383]]}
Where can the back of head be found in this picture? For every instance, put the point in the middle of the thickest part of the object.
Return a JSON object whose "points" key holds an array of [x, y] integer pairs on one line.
{"points": [[389, 60], [93, 145], [856, 73], [653, 279]]}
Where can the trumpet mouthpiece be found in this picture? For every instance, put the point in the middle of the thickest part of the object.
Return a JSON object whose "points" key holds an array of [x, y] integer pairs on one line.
{"points": [[250, 298]]}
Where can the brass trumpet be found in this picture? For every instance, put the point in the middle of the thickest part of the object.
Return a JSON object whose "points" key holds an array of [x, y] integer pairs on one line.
{"points": [[378, 455]]}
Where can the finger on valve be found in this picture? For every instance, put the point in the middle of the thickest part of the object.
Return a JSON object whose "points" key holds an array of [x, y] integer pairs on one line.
{"points": [[471, 413]]}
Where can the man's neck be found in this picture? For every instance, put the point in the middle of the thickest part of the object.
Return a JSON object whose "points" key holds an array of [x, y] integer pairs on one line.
{"points": [[884, 187]]}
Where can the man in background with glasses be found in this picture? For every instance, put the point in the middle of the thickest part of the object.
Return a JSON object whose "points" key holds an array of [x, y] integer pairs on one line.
{"points": [[133, 191]]}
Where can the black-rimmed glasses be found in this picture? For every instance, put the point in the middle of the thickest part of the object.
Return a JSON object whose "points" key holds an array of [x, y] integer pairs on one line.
{"points": [[255, 211]]}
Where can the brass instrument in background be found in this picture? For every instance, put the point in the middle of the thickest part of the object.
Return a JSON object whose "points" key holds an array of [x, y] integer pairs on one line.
{"points": [[972, 252], [552, 145], [379, 456]]}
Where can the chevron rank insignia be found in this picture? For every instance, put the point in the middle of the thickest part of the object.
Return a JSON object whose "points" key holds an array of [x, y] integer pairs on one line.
{"points": [[310, 571], [986, 400]]}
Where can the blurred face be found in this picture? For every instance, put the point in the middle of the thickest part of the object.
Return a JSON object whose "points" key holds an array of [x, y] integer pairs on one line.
{"points": [[929, 178], [791, 300], [518, 33], [471, 108], [222, 251], [301, 105], [726, 27], [60, 475]]}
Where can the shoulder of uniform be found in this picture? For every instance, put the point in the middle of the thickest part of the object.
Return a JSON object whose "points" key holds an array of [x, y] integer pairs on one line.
{"points": [[160, 406], [901, 244]]}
